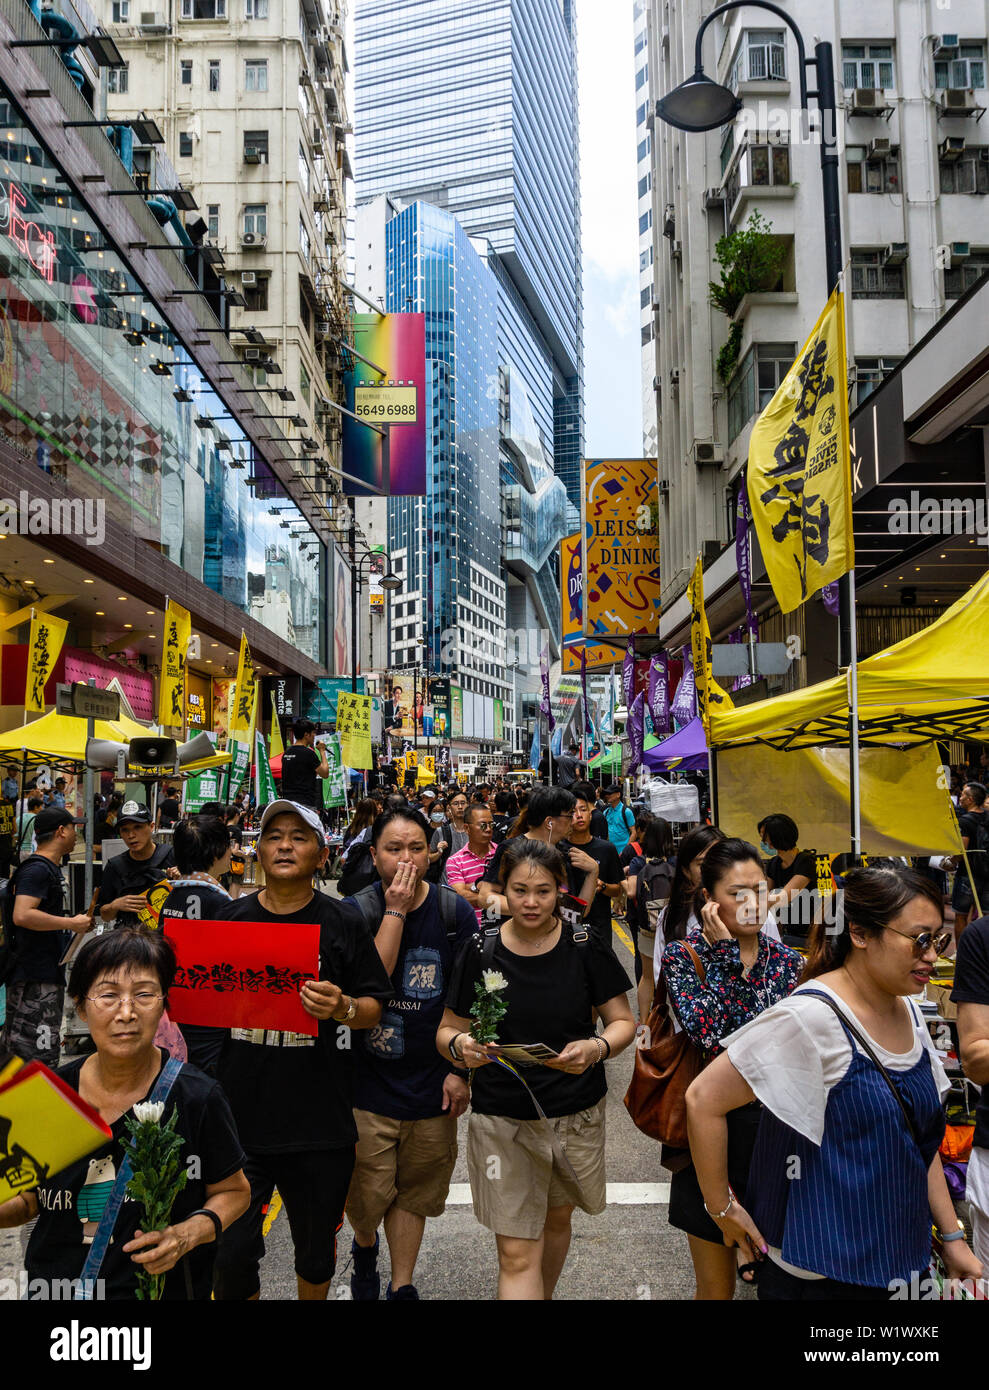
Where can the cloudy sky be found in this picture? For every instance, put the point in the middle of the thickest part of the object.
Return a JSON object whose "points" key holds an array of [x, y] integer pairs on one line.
{"points": [[610, 229]]}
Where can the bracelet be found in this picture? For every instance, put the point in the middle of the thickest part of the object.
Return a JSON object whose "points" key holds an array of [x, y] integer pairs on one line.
{"points": [[717, 1215], [607, 1044], [951, 1235], [394, 912], [451, 1048], [601, 1053], [213, 1216]]}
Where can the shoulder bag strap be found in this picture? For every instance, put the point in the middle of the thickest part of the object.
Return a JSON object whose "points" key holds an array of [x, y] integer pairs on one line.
{"points": [[86, 1284], [488, 944], [448, 911], [870, 1053], [698, 963]]}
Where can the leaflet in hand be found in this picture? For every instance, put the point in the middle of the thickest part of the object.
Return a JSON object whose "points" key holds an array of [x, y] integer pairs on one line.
{"points": [[526, 1054]]}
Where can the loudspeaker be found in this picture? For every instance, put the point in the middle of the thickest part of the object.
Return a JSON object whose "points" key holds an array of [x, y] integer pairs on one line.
{"points": [[152, 752], [103, 753], [195, 750]]}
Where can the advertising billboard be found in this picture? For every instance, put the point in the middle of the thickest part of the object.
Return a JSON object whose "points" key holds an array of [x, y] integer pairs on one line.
{"points": [[389, 460], [599, 654], [620, 548]]}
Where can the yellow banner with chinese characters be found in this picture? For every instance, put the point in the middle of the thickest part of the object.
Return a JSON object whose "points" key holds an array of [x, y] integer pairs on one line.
{"points": [[709, 692], [174, 647], [47, 636], [799, 469], [276, 741], [354, 728], [242, 709]]}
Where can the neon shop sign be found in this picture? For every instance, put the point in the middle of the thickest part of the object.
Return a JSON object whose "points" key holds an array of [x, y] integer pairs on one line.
{"points": [[34, 243]]}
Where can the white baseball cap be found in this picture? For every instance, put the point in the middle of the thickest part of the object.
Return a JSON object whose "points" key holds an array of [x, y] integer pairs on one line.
{"points": [[278, 808]]}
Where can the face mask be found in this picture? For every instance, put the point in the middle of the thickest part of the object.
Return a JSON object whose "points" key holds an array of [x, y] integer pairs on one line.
{"points": [[766, 849], [437, 816]]}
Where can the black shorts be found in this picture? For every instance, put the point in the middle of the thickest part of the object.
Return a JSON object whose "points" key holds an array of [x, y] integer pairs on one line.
{"points": [[778, 1286], [313, 1187], [686, 1210]]}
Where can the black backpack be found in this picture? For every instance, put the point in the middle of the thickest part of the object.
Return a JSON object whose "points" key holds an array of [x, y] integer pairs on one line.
{"points": [[653, 892], [435, 871], [368, 903], [8, 932], [980, 845], [358, 871]]}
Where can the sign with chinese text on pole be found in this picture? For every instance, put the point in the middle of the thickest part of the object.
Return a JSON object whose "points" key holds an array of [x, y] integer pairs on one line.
{"points": [[620, 548], [47, 636], [174, 647], [456, 711], [204, 787], [599, 654], [354, 729], [334, 786], [264, 783], [709, 692], [242, 711]]}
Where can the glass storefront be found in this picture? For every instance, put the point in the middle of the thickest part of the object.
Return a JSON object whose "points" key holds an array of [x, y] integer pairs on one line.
{"points": [[89, 371]]}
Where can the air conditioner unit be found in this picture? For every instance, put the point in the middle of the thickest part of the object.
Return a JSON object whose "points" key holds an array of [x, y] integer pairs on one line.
{"points": [[317, 149], [960, 251], [320, 205], [249, 278], [253, 154], [674, 376], [664, 487], [669, 221], [959, 101], [676, 249], [253, 239], [951, 148], [896, 253], [253, 354], [323, 328], [707, 454], [945, 43], [713, 198], [878, 149], [152, 23], [867, 99]]}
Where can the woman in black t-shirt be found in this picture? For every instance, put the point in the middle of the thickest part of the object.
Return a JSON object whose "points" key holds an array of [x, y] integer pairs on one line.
{"points": [[527, 1172], [120, 984], [790, 872], [202, 848]]}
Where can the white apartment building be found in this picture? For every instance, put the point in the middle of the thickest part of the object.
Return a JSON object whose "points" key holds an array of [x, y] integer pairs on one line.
{"points": [[911, 79], [249, 95], [643, 173]]}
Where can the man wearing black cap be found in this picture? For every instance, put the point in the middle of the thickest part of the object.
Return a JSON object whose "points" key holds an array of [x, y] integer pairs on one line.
{"points": [[35, 987], [127, 877]]}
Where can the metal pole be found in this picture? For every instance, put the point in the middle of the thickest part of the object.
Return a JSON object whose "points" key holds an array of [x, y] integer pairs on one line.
{"points": [[89, 794], [353, 596]]}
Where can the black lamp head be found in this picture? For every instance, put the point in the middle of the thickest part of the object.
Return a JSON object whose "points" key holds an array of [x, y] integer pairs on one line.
{"points": [[698, 104]]}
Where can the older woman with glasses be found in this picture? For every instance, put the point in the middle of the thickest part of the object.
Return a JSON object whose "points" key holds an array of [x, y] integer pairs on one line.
{"points": [[846, 1177], [120, 984]]}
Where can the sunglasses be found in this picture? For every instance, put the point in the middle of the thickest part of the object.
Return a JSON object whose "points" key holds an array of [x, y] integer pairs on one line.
{"points": [[923, 942]]}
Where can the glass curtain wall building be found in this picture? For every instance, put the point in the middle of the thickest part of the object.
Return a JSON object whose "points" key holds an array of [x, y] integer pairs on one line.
{"points": [[472, 107]]}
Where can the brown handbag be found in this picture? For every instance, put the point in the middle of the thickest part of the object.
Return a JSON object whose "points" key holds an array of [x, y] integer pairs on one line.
{"points": [[663, 1070]]}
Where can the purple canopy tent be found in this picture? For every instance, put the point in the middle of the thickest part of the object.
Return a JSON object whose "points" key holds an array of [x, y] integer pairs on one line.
{"points": [[684, 751]]}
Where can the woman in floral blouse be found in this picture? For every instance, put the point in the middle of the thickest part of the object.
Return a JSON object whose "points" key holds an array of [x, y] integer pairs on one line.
{"points": [[744, 972]]}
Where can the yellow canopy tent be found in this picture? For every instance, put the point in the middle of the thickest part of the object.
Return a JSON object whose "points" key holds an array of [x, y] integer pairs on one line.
{"points": [[932, 685], [62, 737]]}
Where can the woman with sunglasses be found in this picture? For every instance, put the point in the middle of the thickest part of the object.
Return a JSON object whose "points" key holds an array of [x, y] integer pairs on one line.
{"points": [[846, 1177]]}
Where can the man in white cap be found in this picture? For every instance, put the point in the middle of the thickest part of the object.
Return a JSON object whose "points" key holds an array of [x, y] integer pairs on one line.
{"points": [[291, 1093], [128, 876]]}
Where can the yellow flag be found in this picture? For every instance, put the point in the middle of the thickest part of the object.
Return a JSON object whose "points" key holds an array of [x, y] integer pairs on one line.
{"points": [[242, 709], [175, 645], [47, 636], [709, 693], [799, 470], [277, 745]]}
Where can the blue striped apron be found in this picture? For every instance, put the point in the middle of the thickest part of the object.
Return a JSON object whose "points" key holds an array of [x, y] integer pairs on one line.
{"points": [[855, 1208]]}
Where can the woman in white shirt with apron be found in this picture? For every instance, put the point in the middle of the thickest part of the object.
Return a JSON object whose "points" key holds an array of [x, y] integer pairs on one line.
{"points": [[846, 1177]]}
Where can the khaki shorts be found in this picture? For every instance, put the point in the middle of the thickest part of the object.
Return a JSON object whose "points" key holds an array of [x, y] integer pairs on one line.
{"points": [[515, 1179], [406, 1163], [647, 943]]}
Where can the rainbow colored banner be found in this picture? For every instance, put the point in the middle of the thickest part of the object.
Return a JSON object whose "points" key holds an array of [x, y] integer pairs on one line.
{"points": [[389, 460]]}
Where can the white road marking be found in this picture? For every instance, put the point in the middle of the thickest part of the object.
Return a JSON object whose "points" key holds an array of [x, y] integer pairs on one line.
{"points": [[620, 1194]]}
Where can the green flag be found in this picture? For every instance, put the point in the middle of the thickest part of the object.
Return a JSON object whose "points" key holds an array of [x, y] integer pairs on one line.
{"points": [[264, 783], [334, 786]]}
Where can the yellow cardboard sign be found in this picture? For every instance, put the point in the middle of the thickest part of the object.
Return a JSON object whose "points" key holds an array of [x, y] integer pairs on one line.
{"points": [[354, 728], [44, 1126], [174, 646]]}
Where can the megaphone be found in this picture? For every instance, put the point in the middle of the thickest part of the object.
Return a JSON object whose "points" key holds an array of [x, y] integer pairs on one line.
{"points": [[151, 752], [104, 753], [195, 750]]}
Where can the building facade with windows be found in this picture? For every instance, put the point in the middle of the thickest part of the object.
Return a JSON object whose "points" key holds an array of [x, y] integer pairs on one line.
{"points": [[643, 173], [250, 96], [914, 171]]}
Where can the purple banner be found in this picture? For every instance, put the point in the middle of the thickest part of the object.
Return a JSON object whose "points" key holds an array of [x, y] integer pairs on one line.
{"points": [[636, 719], [743, 557], [659, 693], [583, 691], [545, 704], [830, 596], [628, 674], [684, 707]]}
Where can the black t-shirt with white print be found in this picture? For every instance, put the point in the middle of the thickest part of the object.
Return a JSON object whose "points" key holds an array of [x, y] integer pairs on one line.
{"points": [[292, 1092]]}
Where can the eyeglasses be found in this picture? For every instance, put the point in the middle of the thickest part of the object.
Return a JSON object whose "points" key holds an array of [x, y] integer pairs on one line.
{"points": [[107, 1003], [924, 942]]}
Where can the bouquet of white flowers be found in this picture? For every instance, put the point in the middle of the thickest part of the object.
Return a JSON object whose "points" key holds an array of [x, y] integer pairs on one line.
{"points": [[158, 1176]]}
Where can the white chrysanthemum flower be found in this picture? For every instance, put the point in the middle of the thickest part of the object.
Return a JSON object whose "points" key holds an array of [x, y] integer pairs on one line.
{"points": [[149, 1112], [493, 980]]}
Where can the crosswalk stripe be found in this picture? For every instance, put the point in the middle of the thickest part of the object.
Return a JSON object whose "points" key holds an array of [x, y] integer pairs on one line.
{"points": [[620, 1194]]}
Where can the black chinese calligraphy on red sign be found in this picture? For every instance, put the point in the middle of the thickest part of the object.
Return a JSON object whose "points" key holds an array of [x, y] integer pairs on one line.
{"points": [[243, 974]]}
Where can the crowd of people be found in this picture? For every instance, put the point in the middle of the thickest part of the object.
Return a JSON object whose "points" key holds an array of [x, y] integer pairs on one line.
{"points": [[811, 1164]]}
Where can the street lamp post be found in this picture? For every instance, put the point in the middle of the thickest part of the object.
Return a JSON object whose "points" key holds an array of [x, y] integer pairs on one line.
{"points": [[699, 104]]}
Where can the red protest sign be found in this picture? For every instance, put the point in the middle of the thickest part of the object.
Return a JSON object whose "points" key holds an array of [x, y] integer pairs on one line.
{"points": [[243, 974]]}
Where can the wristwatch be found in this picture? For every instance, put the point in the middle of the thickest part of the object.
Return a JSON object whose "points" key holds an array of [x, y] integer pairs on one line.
{"points": [[351, 1012]]}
